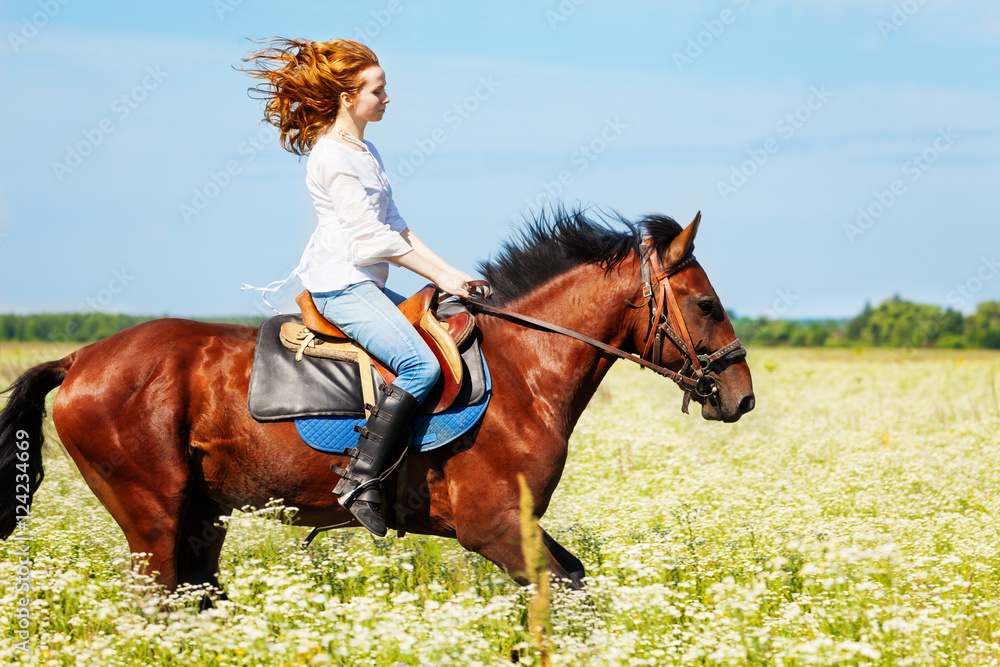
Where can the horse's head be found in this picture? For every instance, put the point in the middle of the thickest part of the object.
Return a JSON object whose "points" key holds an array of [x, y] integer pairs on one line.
{"points": [[680, 310]]}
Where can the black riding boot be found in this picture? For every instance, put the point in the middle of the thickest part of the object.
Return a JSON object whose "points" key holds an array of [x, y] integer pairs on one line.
{"points": [[382, 439]]}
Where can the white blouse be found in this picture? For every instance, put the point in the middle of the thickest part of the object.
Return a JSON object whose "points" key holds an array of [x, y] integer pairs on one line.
{"points": [[359, 226]]}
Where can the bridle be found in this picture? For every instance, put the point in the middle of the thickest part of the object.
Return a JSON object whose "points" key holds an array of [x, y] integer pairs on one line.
{"points": [[699, 373]]}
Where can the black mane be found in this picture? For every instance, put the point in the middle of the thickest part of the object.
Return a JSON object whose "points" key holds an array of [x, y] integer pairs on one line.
{"points": [[556, 241]]}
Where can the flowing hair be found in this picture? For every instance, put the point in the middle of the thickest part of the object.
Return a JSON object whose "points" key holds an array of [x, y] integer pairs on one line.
{"points": [[301, 84]]}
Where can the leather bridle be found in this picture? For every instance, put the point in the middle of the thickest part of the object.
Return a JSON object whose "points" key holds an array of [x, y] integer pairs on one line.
{"points": [[698, 375]]}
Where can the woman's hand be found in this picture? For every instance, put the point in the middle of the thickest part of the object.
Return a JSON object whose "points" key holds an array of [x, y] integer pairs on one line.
{"points": [[453, 282]]}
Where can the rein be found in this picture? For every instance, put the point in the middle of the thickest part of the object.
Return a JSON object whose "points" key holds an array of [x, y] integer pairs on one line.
{"points": [[693, 377]]}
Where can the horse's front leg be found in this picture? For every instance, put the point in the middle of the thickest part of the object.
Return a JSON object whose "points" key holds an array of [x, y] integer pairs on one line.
{"points": [[571, 571], [499, 541], [487, 521]]}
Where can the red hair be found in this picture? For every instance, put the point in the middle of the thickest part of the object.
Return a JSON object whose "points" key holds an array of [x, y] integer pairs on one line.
{"points": [[302, 82]]}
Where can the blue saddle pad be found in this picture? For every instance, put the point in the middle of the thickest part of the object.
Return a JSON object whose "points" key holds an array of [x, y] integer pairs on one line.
{"points": [[335, 434]]}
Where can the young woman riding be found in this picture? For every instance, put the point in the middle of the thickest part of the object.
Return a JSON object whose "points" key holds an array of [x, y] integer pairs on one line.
{"points": [[321, 97]]}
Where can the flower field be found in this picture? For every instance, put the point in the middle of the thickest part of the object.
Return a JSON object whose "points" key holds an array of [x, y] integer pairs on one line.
{"points": [[851, 519]]}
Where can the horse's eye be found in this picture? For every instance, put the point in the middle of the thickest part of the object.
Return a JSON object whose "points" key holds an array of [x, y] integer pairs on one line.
{"points": [[706, 307]]}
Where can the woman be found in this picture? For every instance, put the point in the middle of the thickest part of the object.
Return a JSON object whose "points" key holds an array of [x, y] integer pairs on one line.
{"points": [[321, 96]]}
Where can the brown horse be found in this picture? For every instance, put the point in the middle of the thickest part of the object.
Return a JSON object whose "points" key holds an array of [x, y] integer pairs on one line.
{"points": [[155, 416]]}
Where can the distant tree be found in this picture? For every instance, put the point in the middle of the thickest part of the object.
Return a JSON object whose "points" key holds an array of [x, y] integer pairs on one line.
{"points": [[982, 328], [762, 331], [855, 328], [899, 323]]}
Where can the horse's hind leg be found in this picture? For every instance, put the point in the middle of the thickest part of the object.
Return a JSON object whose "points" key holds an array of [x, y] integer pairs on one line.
{"points": [[128, 447], [150, 520], [200, 541]]}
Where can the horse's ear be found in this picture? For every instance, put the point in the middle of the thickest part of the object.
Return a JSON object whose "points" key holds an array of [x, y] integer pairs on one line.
{"points": [[682, 245]]}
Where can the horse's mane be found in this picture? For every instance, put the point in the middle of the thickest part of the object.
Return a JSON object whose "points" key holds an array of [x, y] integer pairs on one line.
{"points": [[553, 242]]}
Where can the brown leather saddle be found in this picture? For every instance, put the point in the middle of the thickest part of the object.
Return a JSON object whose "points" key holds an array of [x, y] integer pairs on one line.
{"points": [[442, 337]]}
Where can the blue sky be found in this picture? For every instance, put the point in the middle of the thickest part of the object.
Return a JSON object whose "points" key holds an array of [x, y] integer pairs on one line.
{"points": [[840, 151]]}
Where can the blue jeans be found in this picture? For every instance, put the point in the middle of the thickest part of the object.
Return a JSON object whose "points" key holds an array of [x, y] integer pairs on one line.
{"points": [[369, 315]]}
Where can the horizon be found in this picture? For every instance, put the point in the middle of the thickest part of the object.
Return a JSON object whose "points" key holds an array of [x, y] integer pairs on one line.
{"points": [[770, 315]]}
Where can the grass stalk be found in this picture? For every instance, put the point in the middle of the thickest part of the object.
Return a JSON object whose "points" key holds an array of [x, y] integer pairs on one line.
{"points": [[537, 573]]}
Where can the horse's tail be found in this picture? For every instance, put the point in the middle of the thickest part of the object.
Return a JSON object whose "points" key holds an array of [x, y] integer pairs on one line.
{"points": [[21, 441]]}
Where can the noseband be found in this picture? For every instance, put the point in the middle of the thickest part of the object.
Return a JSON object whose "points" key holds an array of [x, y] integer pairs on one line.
{"points": [[698, 375]]}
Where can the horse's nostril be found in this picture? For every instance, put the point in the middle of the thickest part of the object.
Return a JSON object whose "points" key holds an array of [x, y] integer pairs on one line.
{"points": [[746, 405]]}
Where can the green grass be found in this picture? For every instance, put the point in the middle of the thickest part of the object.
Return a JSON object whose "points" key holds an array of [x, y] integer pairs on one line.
{"points": [[849, 520]]}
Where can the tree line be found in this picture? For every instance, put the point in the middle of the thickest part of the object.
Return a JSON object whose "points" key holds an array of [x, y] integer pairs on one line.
{"points": [[80, 327], [893, 323]]}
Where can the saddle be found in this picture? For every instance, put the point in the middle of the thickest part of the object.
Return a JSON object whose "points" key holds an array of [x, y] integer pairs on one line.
{"points": [[318, 337]]}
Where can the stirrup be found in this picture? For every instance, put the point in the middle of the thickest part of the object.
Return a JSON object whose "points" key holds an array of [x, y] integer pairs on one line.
{"points": [[369, 515], [347, 499]]}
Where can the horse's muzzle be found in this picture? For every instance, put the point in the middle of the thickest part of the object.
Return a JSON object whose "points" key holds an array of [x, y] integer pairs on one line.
{"points": [[731, 395]]}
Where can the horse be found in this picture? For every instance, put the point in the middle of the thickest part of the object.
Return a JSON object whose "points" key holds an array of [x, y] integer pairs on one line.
{"points": [[155, 416]]}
